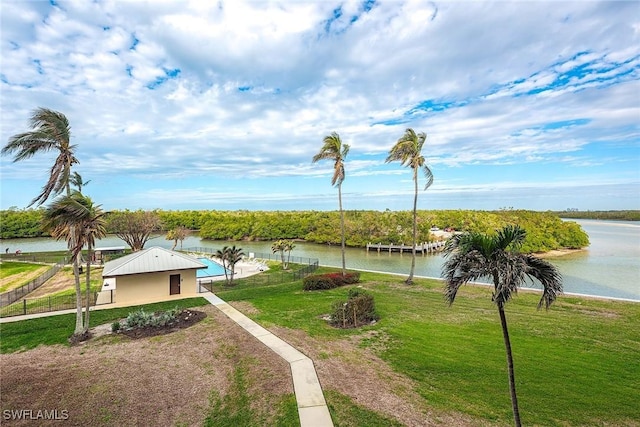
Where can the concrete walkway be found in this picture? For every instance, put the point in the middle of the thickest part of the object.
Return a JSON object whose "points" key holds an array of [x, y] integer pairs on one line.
{"points": [[312, 408]]}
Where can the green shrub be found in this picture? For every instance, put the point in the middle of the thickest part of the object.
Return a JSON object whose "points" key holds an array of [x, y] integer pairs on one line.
{"points": [[358, 310], [317, 282], [141, 319], [115, 326], [329, 280]]}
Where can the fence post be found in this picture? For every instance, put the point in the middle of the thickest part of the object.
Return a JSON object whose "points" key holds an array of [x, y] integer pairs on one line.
{"points": [[24, 306]]}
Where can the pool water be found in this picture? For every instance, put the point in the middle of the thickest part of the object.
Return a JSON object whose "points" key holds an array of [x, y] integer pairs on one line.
{"points": [[213, 269]]}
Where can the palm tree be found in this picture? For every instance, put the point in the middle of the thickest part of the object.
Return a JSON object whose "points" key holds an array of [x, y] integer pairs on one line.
{"points": [[283, 246], [77, 220], [334, 149], [234, 256], [229, 256], [408, 151], [51, 131], [472, 256], [222, 254], [77, 181]]}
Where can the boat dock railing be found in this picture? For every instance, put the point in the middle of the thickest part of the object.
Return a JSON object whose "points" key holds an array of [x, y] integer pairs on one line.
{"points": [[423, 248]]}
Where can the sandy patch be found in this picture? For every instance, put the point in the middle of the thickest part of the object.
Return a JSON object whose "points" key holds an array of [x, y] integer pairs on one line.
{"points": [[165, 380]]}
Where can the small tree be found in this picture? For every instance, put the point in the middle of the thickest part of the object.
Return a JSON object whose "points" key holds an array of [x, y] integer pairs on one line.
{"points": [[283, 246], [77, 220], [177, 234], [229, 256], [135, 228]]}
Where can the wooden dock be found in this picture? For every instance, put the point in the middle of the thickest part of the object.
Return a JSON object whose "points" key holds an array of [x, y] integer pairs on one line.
{"points": [[423, 248]]}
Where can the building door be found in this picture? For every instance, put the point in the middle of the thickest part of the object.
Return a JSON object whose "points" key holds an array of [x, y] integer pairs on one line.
{"points": [[174, 284]]}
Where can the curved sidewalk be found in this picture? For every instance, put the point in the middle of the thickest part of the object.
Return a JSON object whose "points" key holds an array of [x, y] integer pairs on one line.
{"points": [[312, 408]]}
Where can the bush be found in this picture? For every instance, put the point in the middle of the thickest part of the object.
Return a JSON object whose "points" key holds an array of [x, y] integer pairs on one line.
{"points": [[141, 319], [329, 280], [358, 310], [115, 326]]}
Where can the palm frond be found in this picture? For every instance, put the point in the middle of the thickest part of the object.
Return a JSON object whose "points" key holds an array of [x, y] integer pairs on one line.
{"points": [[333, 149], [548, 276], [429, 175]]}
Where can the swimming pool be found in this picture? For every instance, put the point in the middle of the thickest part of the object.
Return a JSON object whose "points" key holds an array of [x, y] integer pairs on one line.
{"points": [[213, 269]]}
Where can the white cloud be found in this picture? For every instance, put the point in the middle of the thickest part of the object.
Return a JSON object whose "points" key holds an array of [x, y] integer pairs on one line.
{"points": [[248, 89]]}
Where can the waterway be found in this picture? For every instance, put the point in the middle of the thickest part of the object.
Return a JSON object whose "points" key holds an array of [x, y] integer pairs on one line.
{"points": [[609, 267]]}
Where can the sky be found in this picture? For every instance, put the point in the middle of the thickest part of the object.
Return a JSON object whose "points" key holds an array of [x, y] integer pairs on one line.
{"points": [[221, 105]]}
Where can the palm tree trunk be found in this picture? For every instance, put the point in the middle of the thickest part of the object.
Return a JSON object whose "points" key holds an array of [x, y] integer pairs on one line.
{"points": [[344, 264], [88, 290], [76, 276], [512, 380], [409, 280]]}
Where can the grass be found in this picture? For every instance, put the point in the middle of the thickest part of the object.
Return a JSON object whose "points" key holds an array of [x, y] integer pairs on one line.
{"points": [[234, 408], [27, 334], [19, 269], [576, 364], [58, 299]]}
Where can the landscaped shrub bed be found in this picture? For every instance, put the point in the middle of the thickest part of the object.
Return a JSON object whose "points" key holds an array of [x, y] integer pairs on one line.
{"points": [[329, 280], [358, 310], [140, 324]]}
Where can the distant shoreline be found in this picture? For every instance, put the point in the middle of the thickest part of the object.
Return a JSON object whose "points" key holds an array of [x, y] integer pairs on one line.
{"points": [[556, 253]]}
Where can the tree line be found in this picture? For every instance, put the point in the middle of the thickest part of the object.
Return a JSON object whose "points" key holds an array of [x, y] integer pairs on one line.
{"points": [[545, 230]]}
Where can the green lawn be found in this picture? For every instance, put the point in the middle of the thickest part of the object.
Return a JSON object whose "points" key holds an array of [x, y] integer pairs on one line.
{"points": [[575, 365], [10, 268], [27, 334]]}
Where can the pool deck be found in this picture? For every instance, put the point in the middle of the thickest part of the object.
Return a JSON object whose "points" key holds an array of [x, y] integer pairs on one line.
{"points": [[243, 269]]}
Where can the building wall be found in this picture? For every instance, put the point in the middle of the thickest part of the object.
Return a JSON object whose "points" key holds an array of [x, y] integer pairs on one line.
{"points": [[147, 287]]}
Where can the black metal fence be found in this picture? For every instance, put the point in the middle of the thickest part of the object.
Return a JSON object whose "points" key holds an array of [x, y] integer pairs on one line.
{"points": [[301, 267], [44, 305], [14, 295]]}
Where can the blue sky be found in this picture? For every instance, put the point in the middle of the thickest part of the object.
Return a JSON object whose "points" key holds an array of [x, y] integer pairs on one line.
{"points": [[222, 105]]}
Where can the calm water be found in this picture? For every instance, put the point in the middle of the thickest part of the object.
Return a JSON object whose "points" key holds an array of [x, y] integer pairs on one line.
{"points": [[610, 267]]}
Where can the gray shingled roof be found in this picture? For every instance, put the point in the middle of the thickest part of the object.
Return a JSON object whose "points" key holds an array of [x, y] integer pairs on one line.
{"points": [[150, 260]]}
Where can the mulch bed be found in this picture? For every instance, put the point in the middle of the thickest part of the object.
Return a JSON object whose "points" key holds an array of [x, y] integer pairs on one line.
{"points": [[184, 319]]}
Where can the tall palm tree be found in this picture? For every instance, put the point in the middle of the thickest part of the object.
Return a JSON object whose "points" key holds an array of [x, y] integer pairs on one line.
{"points": [[334, 149], [51, 132], [472, 256], [77, 220], [408, 151]]}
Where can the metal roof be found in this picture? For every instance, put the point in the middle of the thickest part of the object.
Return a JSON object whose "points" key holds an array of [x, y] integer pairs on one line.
{"points": [[150, 260]]}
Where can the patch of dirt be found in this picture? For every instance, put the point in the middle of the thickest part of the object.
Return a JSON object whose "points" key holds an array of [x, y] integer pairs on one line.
{"points": [[357, 372], [245, 307], [155, 381], [64, 280]]}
